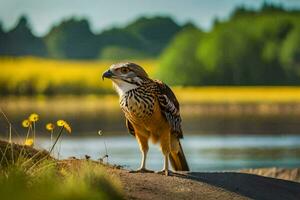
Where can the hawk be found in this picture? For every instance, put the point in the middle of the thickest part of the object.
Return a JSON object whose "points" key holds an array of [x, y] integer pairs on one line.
{"points": [[151, 111]]}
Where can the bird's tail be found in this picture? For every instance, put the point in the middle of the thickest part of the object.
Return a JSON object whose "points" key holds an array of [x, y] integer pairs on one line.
{"points": [[178, 160]]}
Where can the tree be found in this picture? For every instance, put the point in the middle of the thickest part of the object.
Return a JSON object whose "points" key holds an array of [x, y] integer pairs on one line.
{"points": [[120, 38], [232, 56], [178, 63], [2, 39], [72, 39], [290, 54], [249, 49], [20, 41], [121, 53], [156, 32]]}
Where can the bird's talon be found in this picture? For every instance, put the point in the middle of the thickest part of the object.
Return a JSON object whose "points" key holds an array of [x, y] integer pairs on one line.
{"points": [[164, 172], [142, 170]]}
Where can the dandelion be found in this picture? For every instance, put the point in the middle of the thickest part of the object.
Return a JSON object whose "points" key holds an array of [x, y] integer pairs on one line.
{"points": [[34, 117], [26, 123], [68, 128], [64, 126], [29, 142], [50, 127], [61, 123]]}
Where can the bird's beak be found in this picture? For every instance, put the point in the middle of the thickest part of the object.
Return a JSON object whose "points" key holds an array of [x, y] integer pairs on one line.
{"points": [[107, 74]]}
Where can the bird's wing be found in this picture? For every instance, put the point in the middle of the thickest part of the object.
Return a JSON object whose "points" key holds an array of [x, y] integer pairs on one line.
{"points": [[169, 107], [130, 127]]}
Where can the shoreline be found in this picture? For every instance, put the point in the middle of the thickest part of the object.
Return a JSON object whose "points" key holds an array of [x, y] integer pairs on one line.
{"points": [[290, 174], [264, 183]]}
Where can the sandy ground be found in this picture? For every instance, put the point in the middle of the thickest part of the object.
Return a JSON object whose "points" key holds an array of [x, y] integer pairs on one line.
{"points": [[203, 185]]}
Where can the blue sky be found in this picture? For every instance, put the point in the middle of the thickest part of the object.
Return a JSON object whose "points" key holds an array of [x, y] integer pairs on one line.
{"points": [[104, 14]]}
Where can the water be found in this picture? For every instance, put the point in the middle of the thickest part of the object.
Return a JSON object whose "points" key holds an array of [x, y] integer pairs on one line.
{"points": [[208, 145], [204, 153], [87, 115]]}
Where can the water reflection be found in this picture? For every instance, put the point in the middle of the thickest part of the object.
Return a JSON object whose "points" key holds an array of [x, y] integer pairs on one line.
{"points": [[210, 143], [89, 114], [204, 153]]}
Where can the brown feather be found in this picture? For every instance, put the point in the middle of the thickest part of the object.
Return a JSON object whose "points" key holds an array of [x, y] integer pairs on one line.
{"points": [[170, 108], [178, 160]]}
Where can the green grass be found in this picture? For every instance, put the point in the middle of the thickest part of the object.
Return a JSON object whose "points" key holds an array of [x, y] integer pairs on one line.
{"points": [[28, 173], [29, 177]]}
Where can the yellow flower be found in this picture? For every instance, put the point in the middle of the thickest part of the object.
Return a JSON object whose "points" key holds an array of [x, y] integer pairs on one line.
{"points": [[68, 128], [63, 123], [60, 123], [26, 123], [33, 117], [50, 126], [28, 142]]}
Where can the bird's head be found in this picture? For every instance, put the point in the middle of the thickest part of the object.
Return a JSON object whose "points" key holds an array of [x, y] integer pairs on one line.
{"points": [[125, 76]]}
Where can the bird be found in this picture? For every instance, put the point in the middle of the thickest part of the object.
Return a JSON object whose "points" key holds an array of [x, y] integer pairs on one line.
{"points": [[151, 113]]}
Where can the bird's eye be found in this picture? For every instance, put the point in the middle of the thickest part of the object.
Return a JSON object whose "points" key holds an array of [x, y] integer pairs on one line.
{"points": [[124, 70]]}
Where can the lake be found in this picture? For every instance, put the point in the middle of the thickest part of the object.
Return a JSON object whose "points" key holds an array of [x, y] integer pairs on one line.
{"points": [[88, 114], [218, 136], [203, 152]]}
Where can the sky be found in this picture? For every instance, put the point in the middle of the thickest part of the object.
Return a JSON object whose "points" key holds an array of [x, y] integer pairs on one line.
{"points": [[104, 14]]}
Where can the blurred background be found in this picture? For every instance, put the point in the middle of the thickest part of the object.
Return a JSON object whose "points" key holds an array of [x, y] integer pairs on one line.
{"points": [[234, 66]]}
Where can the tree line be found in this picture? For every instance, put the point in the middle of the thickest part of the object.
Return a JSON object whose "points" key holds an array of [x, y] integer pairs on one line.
{"points": [[73, 39], [252, 47]]}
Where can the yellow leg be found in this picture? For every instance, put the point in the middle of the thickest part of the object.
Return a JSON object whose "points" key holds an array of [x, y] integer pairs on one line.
{"points": [[143, 143], [165, 148]]}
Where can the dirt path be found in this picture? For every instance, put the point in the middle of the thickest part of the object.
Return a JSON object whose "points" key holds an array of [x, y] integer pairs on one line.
{"points": [[155, 186], [227, 185]]}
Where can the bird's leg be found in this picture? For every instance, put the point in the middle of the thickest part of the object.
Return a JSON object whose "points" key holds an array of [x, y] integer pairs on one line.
{"points": [[165, 147], [143, 142], [142, 168], [165, 170], [144, 156]]}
